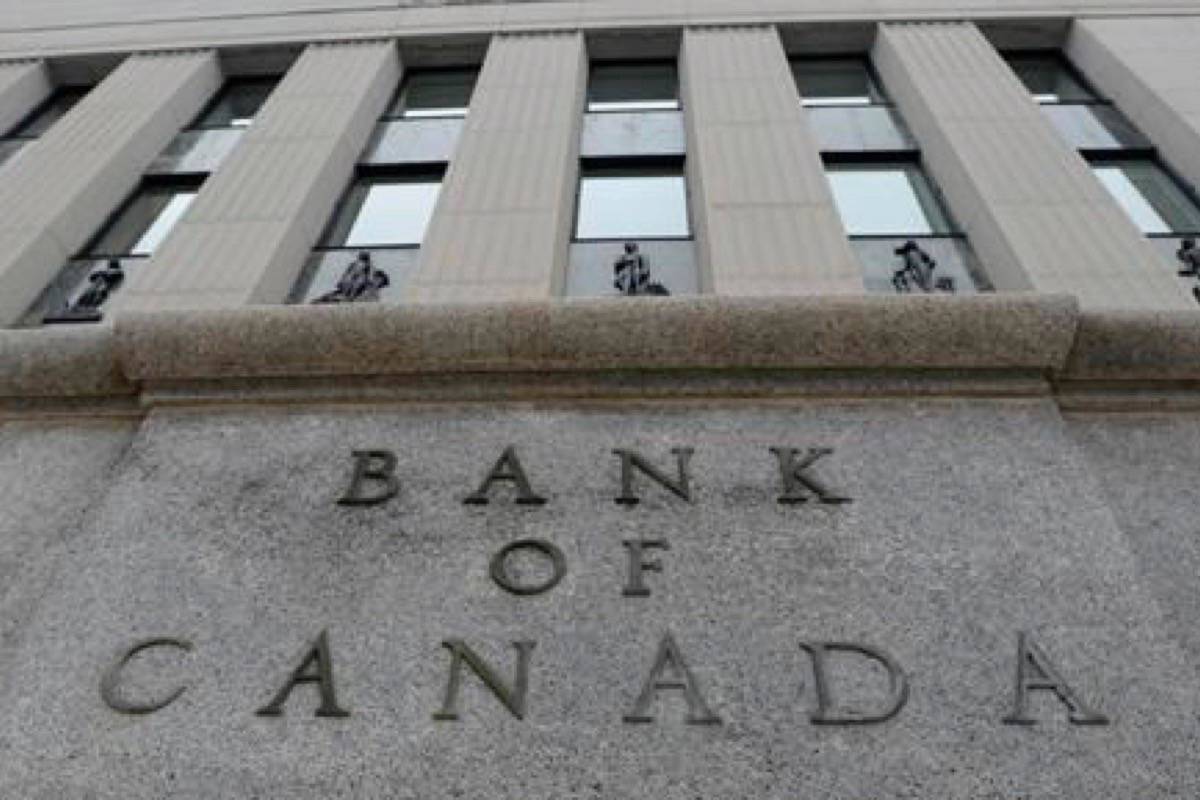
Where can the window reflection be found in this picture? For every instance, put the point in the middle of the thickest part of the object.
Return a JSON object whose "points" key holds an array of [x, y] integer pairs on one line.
{"points": [[626, 204], [881, 199], [633, 87], [144, 222], [434, 93], [385, 212], [835, 82], [1155, 203]]}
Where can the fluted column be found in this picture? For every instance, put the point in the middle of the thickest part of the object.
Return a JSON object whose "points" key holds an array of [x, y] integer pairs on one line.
{"points": [[245, 237], [23, 84], [62, 188], [764, 215], [1034, 212], [1149, 67], [503, 220]]}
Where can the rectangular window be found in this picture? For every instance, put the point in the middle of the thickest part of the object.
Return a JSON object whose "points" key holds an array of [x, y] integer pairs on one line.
{"points": [[632, 203], [886, 199], [434, 93], [633, 87], [836, 82], [48, 113], [237, 103], [1049, 79], [385, 212], [1151, 198], [144, 222]]}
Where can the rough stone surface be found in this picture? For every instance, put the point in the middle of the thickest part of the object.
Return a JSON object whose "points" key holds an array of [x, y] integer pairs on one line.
{"points": [[1146, 465], [1134, 346], [59, 362], [1002, 331], [970, 521]]}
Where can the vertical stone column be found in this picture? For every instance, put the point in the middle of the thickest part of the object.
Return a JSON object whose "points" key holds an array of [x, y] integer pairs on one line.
{"points": [[23, 84], [764, 215], [246, 236], [1149, 68], [62, 188], [1036, 216], [503, 220]]}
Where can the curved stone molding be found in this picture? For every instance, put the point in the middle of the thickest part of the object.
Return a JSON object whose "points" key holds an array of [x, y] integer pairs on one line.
{"points": [[883, 333], [60, 363], [1136, 346]]}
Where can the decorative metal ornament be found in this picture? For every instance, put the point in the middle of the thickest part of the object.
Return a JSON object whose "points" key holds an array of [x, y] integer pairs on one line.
{"points": [[916, 272], [1189, 255], [86, 308], [361, 282], [631, 274]]}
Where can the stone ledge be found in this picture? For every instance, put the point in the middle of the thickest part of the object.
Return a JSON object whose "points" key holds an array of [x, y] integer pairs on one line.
{"points": [[1017, 332], [1135, 346], [61, 363]]}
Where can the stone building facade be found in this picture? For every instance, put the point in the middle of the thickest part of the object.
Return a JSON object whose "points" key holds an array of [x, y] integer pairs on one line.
{"points": [[700, 398]]}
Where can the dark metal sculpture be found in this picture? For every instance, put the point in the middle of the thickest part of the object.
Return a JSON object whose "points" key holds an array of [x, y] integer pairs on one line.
{"points": [[86, 308], [1189, 255], [917, 271], [360, 283], [631, 274]]}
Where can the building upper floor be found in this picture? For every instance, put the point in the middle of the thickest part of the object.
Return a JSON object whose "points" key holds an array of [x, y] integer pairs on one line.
{"points": [[807, 152]]}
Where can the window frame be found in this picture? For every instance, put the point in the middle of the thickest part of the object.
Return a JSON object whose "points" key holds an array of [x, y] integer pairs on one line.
{"points": [[649, 166], [1150, 157], [1057, 55], [873, 78], [391, 173], [389, 115], [216, 100], [181, 183], [899, 159], [673, 63]]}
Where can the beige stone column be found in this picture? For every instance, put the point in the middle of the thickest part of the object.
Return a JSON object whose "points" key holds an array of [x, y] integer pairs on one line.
{"points": [[23, 84], [763, 212], [1151, 68], [1037, 217], [503, 220], [246, 236], [62, 188]]}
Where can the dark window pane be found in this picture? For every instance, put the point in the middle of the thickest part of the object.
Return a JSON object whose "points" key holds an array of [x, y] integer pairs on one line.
{"points": [[1149, 196], [435, 93], [144, 222], [49, 113], [633, 87], [237, 104], [1049, 80], [835, 82]]}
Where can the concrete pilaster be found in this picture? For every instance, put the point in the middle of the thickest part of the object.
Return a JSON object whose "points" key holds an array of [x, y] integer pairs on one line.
{"points": [[245, 238], [764, 215], [1035, 214], [63, 187], [503, 220], [1149, 68], [23, 84]]}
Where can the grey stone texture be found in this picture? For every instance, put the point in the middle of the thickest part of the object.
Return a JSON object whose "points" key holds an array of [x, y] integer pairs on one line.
{"points": [[256, 219], [55, 196], [764, 214], [503, 219], [970, 521], [1034, 212]]}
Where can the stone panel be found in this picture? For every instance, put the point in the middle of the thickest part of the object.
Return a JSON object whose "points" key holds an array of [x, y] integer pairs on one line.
{"points": [[969, 522], [765, 218]]}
